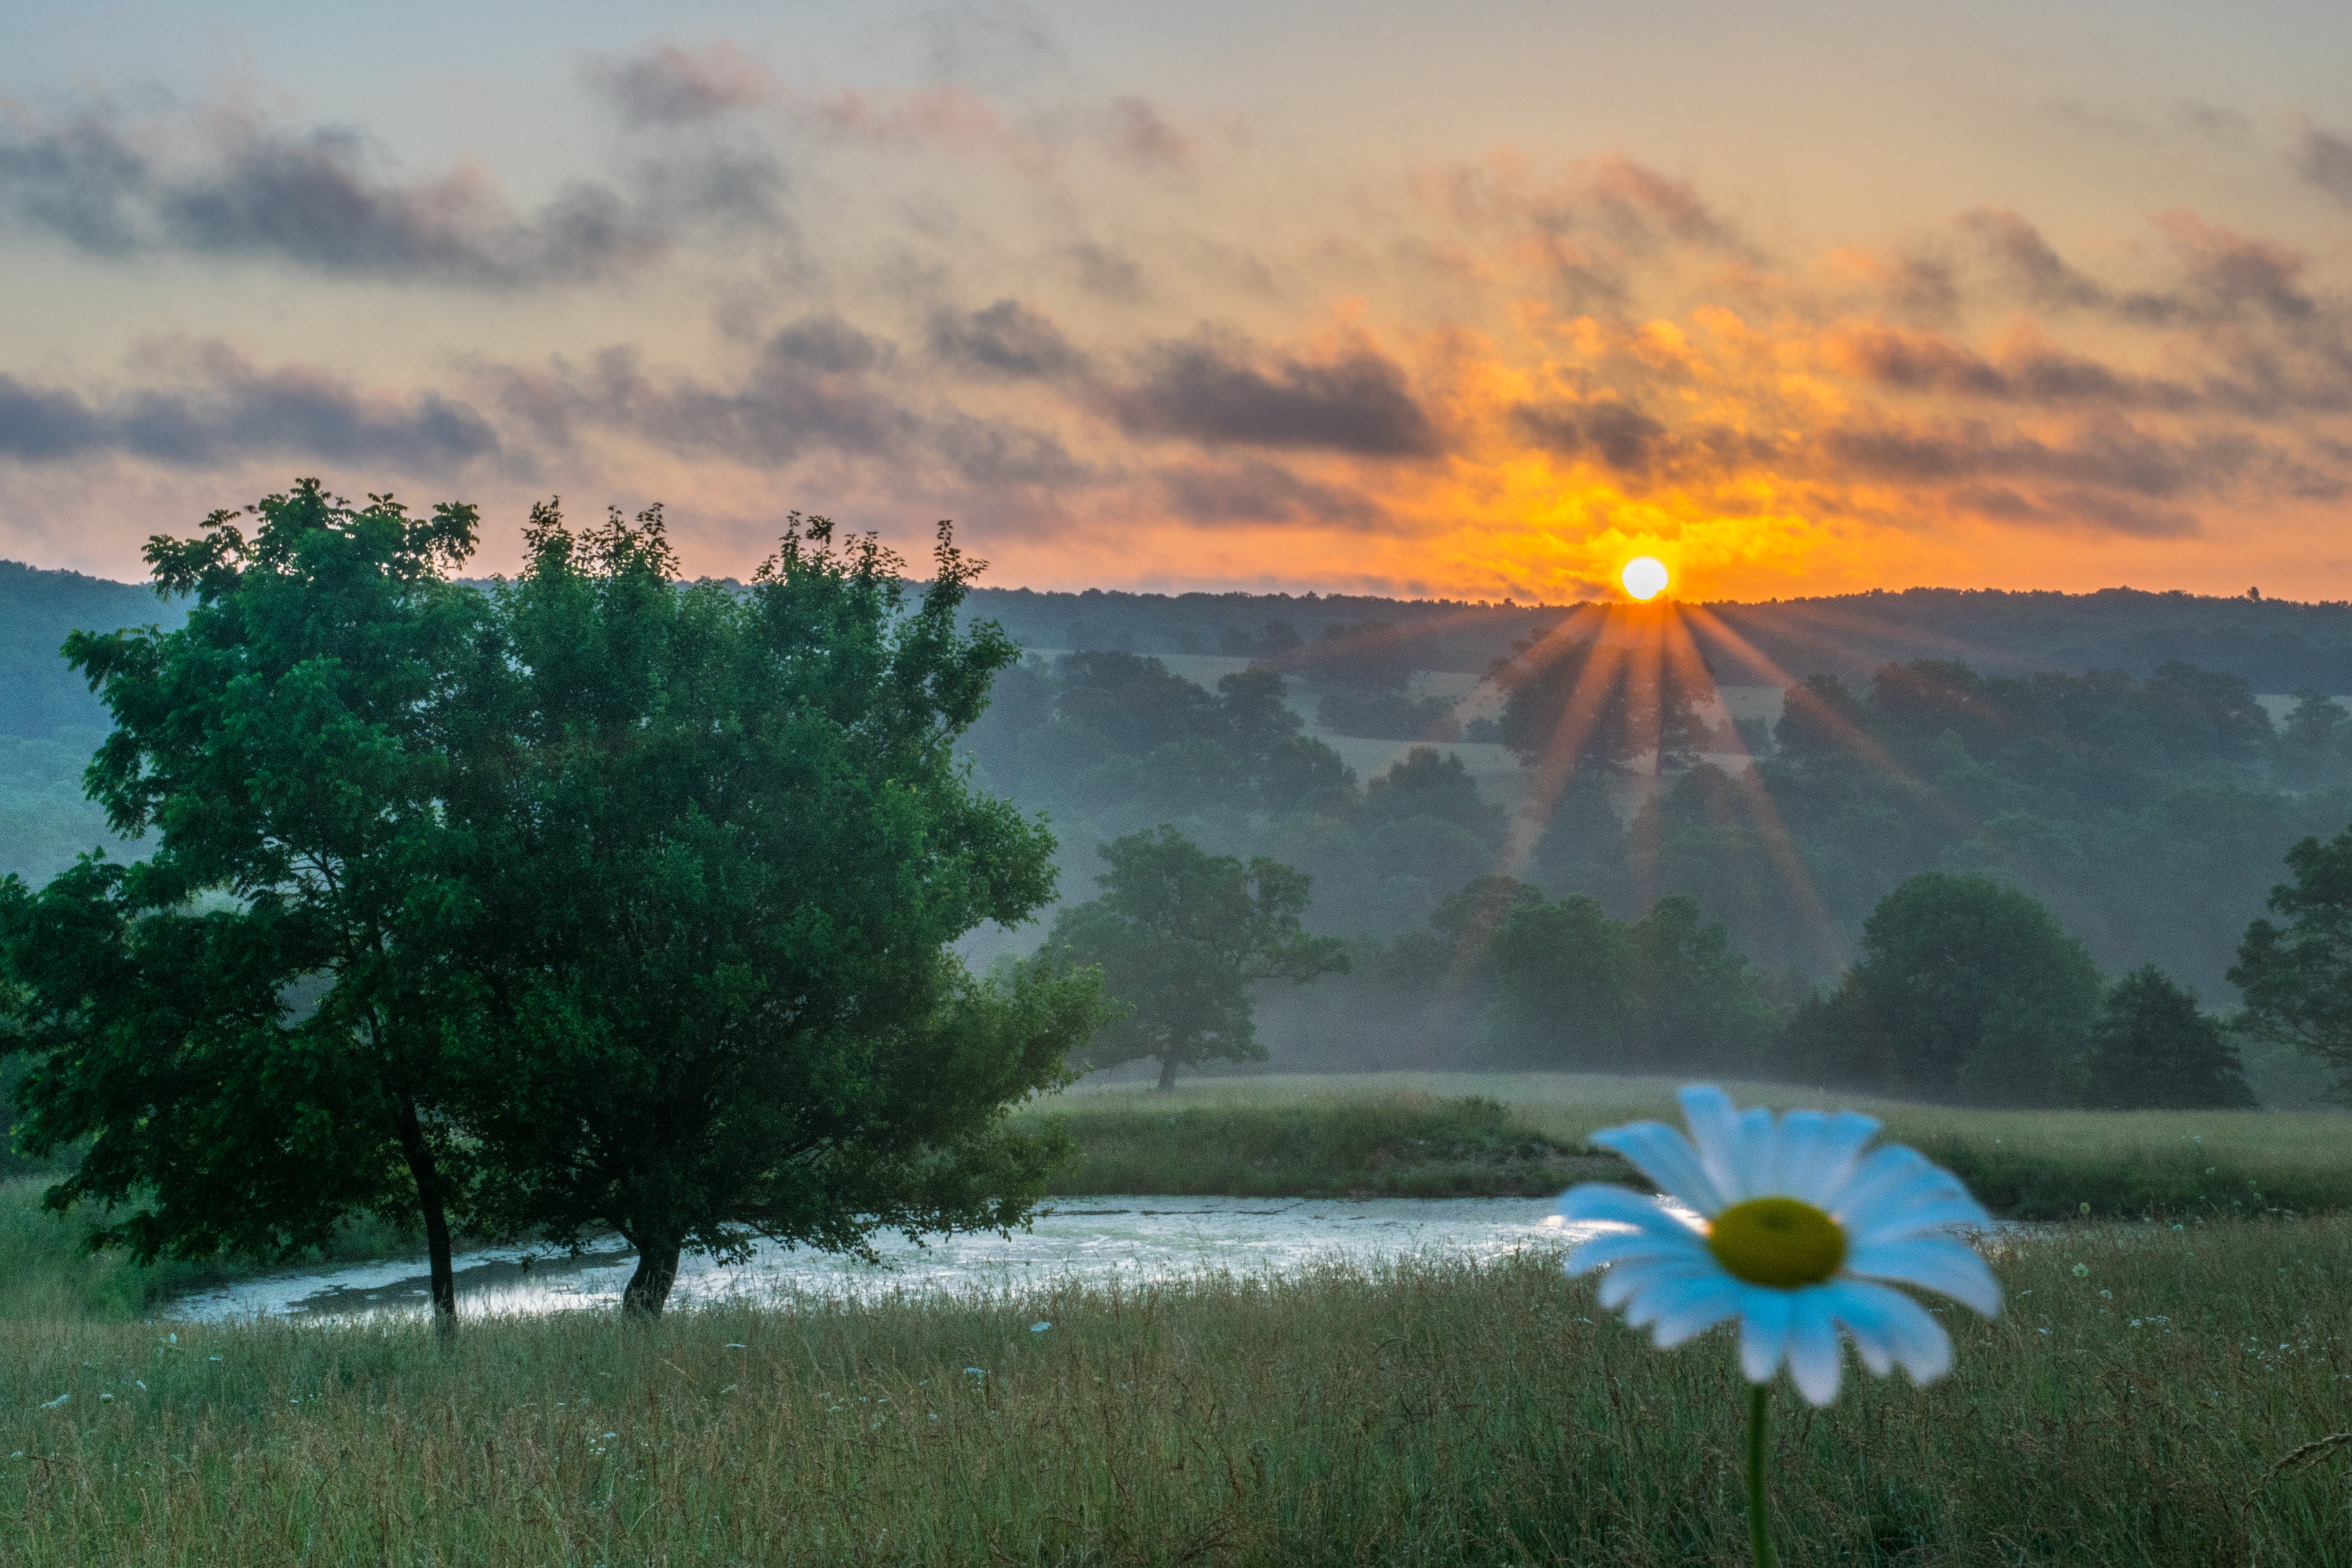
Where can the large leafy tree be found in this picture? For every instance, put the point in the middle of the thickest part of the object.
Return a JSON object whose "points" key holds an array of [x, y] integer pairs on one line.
{"points": [[1181, 936], [731, 852], [2297, 977], [258, 1026]]}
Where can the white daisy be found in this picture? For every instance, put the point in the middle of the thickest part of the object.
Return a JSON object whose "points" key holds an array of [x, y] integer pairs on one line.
{"points": [[1799, 1232]]}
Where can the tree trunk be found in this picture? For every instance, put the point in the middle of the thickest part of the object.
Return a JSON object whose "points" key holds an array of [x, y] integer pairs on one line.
{"points": [[648, 1287], [1168, 1072], [427, 1177]]}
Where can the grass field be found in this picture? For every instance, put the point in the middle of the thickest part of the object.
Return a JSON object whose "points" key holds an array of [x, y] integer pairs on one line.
{"points": [[1506, 1133], [1421, 1413]]}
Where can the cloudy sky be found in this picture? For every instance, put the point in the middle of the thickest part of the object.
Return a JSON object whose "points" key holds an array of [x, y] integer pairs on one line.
{"points": [[1473, 300]]}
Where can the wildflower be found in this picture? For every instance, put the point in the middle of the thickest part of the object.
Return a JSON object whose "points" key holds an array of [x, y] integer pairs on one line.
{"points": [[1800, 1234]]}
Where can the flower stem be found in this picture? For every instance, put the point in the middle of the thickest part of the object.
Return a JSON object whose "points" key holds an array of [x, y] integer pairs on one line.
{"points": [[1760, 1507]]}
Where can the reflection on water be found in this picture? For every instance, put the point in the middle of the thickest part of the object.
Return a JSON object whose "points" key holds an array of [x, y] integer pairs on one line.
{"points": [[1084, 1239]]}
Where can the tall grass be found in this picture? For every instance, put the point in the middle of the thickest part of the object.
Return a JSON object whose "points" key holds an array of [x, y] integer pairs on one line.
{"points": [[1423, 1411]]}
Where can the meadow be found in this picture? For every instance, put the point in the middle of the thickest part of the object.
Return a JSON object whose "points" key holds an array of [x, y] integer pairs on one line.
{"points": [[2133, 1406], [1500, 1134], [2164, 1389]]}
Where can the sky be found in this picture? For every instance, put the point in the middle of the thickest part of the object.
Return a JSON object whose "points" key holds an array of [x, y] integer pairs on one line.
{"points": [[1472, 301]]}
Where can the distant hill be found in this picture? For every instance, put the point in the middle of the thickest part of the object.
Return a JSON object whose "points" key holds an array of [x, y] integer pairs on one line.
{"points": [[39, 694], [2277, 645]]}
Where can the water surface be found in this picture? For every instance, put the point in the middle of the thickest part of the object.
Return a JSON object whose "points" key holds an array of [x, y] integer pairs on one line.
{"points": [[1085, 1240]]}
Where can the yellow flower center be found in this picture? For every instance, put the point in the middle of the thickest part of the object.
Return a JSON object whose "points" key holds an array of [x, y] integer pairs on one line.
{"points": [[1778, 1242]]}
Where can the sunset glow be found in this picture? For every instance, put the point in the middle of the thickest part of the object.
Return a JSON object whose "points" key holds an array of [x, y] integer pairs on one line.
{"points": [[1140, 311]]}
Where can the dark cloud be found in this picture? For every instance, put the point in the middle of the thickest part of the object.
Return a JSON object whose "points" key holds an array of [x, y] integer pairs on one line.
{"points": [[1102, 271], [2028, 262], [318, 199], [822, 340], [785, 410], [1605, 228], [1210, 390], [1623, 437], [2325, 159], [2114, 458], [1140, 134], [2079, 510], [670, 87], [2034, 372], [1007, 340], [221, 410], [988, 453], [1257, 491]]}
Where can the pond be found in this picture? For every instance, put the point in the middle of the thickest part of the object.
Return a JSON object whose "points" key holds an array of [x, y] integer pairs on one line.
{"points": [[1088, 1240]]}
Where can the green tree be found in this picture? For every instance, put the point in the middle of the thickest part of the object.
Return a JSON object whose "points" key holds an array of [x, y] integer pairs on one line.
{"points": [[1181, 936], [2152, 1049], [730, 856], [1559, 986], [1971, 991], [1693, 1000], [1578, 703], [261, 1027], [2311, 743], [2297, 978]]}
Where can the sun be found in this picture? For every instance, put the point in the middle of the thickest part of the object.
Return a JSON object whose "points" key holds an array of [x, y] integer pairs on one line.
{"points": [[1644, 576]]}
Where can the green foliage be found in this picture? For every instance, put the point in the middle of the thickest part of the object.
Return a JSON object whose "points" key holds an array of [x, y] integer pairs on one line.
{"points": [[258, 1028], [1574, 989], [2314, 744], [1570, 704], [1181, 936], [2151, 1048], [1388, 716], [724, 868], [1107, 734], [1966, 989], [2297, 978], [2136, 810]]}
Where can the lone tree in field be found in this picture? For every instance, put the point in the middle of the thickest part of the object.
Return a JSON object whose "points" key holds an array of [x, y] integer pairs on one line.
{"points": [[726, 868], [1181, 936], [259, 1027], [2297, 979], [2152, 1049]]}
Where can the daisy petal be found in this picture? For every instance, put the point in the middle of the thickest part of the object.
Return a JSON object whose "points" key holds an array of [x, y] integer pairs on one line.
{"points": [[1814, 1360], [1694, 1306], [1818, 1152], [1848, 1304], [1933, 1263], [1603, 1203], [1763, 1333], [1889, 1180], [1891, 1328], [1629, 1247], [1666, 1157], [1936, 1213], [1716, 1133]]}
